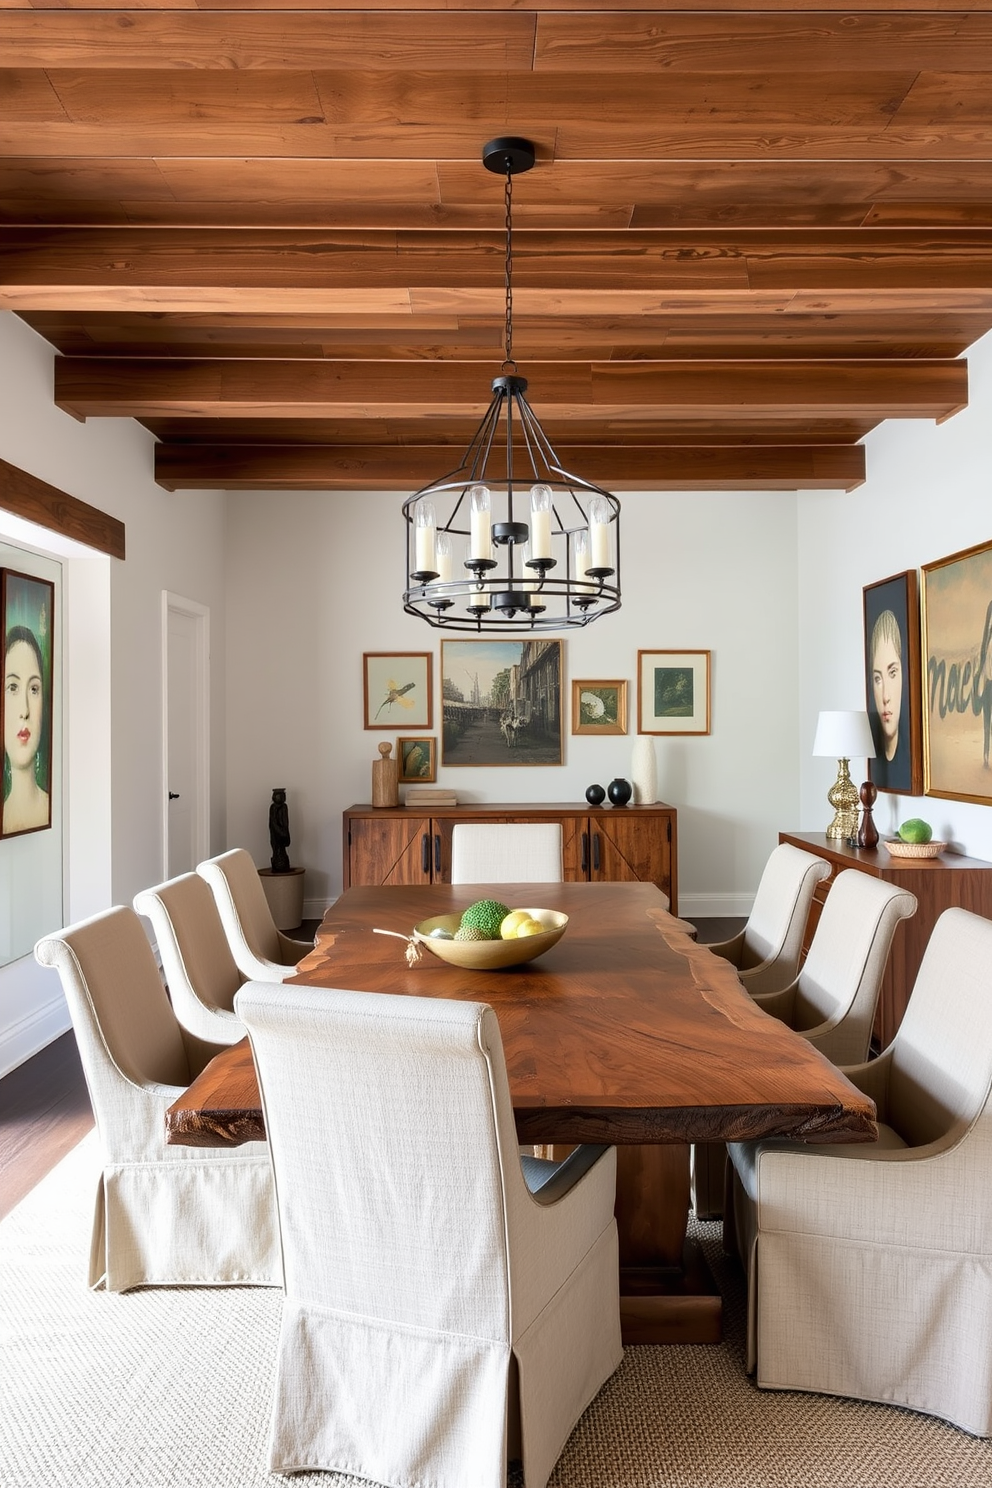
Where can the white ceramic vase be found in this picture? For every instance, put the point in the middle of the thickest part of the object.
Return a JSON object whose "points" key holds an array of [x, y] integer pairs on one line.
{"points": [[644, 771]]}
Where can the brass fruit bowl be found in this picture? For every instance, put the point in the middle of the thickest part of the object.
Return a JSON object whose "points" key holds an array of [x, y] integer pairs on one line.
{"points": [[491, 955]]}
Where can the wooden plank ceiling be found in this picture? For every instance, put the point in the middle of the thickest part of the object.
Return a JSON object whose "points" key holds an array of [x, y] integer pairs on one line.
{"points": [[264, 230]]}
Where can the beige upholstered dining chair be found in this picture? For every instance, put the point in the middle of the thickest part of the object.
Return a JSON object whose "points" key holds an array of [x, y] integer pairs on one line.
{"points": [[870, 1267], [506, 852], [199, 969], [443, 1311], [165, 1216], [259, 949], [767, 951], [832, 1000]]}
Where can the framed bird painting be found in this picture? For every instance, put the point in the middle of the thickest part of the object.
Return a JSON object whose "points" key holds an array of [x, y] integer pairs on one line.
{"points": [[398, 689]]}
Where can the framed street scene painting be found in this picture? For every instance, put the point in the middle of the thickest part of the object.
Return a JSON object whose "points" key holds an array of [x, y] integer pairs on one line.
{"points": [[893, 683], [398, 689], [28, 606], [957, 645], [673, 692], [501, 702]]}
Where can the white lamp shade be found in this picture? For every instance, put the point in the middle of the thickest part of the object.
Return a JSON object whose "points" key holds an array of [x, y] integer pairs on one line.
{"points": [[844, 735]]}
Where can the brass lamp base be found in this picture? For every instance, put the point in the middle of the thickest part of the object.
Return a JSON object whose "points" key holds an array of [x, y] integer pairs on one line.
{"points": [[843, 797]]}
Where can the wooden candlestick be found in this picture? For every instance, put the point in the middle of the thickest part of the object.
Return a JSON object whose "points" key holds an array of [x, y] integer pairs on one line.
{"points": [[867, 832]]}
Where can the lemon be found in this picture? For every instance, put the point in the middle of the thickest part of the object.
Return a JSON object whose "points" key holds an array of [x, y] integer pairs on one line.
{"points": [[509, 927], [915, 830], [530, 927]]}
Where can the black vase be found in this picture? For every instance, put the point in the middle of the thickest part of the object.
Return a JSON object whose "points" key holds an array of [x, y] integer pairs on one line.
{"points": [[595, 795], [619, 791]]}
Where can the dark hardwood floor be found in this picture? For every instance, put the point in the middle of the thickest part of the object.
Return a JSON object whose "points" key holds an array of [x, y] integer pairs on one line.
{"points": [[45, 1110]]}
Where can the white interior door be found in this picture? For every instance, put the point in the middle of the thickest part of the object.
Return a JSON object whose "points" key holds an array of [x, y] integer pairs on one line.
{"points": [[186, 750]]}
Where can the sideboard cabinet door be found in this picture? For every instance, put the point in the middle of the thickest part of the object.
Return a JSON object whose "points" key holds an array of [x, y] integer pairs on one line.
{"points": [[390, 849], [630, 848]]}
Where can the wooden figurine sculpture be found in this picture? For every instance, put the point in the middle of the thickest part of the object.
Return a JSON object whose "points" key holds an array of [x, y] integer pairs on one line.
{"points": [[279, 838]]}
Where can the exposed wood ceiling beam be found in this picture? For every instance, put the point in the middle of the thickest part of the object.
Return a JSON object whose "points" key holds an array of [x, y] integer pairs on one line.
{"points": [[378, 467], [141, 388], [450, 37]]}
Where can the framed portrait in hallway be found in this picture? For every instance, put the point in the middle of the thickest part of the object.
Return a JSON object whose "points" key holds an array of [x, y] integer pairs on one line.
{"points": [[28, 607]]}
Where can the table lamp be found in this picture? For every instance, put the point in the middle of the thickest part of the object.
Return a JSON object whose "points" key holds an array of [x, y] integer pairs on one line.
{"points": [[842, 735]]}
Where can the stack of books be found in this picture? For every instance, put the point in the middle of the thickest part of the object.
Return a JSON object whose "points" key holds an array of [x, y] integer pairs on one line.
{"points": [[429, 795]]}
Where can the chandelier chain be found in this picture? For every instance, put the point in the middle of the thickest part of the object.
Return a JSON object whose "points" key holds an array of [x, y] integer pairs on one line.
{"points": [[508, 268]]}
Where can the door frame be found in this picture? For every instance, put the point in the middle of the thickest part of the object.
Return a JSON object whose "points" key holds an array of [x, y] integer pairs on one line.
{"points": [[200, 614]]}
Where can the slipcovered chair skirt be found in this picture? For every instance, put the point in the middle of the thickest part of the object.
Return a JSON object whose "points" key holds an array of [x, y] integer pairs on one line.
{"points": [[870, 1266], [165, 1216], [437, 1310]]}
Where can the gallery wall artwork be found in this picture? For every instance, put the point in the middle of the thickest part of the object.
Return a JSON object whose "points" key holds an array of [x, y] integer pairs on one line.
{"points": [[957, 644], [398, 689], [673, 692], [501, 702], [28, 607], [893, 683]]}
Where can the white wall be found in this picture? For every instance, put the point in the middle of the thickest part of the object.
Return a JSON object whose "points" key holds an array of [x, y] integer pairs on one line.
{"points": [[113, 651], [928, 494], [314, 579]]}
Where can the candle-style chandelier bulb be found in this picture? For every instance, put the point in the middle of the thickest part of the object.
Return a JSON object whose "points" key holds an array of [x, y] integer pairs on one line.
{"points": [[425, 523], [481, 519], [599, 538], [540, 524]]}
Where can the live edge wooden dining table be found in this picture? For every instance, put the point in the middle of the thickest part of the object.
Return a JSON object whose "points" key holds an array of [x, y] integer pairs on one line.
{"points": [[626, 1032]]}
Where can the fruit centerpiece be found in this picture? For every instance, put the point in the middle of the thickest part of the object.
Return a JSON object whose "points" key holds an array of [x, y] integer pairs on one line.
{"points": [[915, 840], [489, 935]]}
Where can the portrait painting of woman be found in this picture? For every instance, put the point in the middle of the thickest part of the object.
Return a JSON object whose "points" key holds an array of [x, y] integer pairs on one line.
{"points": [[893, 683], [27, 605]]}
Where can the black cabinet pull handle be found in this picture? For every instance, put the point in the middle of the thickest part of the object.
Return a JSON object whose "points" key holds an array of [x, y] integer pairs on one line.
{"points": [[173, 795], [595, 852], [437, 854], [425, 854], [585, 852]]}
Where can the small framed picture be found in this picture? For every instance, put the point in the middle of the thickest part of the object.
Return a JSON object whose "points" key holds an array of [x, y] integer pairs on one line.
{"points": [[957, 647], [398, 687], [28, 605], [417, 760], [673, 692], [599, 707], [893, 683]]}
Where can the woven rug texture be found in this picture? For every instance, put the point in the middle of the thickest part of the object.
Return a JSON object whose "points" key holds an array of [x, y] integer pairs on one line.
{"points": [[170, 1388]]}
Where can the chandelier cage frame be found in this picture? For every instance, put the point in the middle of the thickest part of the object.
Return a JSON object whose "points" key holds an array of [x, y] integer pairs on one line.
{"points": [[557, 589]]}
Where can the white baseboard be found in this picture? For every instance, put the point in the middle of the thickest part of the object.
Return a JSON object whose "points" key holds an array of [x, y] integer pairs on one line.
{"points": [[715, 906], [315, 909], [32, 1033]]}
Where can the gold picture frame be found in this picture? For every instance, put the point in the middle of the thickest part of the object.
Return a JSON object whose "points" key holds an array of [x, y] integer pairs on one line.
{"points": [[957, 676], [599, 707], [417, 758]]}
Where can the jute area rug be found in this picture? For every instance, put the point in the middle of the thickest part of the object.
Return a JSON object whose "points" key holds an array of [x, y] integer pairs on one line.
{"points": [[169, 1388]]}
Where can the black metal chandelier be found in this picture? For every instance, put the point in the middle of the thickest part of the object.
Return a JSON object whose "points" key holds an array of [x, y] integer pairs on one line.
{"points": [[509, 539]]}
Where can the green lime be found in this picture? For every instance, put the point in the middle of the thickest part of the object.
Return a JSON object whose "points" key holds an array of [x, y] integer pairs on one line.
{"points": [[915, 830]]}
